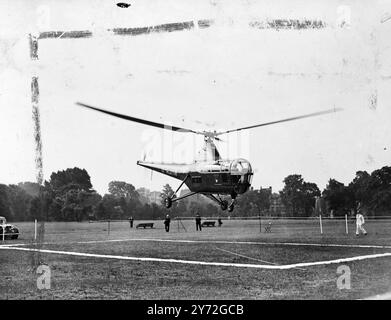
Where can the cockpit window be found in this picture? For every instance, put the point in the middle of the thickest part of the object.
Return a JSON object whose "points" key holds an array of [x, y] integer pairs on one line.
{"points": [[240, 167]]}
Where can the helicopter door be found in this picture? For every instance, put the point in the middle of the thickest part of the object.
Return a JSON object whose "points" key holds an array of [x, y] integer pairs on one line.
{"points": [[217, 178]]}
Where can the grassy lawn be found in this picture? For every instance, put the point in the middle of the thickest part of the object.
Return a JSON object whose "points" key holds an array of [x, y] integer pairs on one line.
{"points": [[74, 277]]}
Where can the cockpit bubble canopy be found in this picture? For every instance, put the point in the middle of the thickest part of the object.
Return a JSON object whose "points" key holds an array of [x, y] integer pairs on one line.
{"points": [[240, 167]]}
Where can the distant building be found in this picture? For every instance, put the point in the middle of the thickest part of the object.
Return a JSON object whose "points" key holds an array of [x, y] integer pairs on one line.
{"points": [[143, 193], [154, 197], [266, 190], [149, 197]]}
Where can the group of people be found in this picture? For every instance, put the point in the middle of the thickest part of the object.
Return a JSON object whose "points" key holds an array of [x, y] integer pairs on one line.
{"points": [[167, 222], [360, 221]]}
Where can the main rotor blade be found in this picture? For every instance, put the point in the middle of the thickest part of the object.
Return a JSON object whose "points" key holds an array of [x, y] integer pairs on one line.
{"points": [[283, 120], [146, 122]]}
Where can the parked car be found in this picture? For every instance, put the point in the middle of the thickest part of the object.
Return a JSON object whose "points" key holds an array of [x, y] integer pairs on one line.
{"points": [[10, 230]]}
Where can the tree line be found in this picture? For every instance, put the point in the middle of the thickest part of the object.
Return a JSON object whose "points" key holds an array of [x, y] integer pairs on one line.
{"points": [[69, 196], [298, 197], [372, 191]]}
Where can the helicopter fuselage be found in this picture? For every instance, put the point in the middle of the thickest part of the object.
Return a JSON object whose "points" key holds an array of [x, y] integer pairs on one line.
{"points": [[230, 177]]}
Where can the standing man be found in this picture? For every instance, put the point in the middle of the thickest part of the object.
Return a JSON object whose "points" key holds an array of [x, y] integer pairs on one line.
{"points": [[131, 222], [360, 221], [198, 222], [219, 221], [167, 221]]}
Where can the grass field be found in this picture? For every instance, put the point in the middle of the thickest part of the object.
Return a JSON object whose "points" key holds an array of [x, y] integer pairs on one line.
{"points": [[237, 261]]}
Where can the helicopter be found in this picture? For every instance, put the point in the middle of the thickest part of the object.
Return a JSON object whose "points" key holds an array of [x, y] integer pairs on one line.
{"points": [[210, 175]]}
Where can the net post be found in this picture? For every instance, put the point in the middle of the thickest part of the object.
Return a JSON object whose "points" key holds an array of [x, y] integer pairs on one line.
{"points": [[346, 224], [260, 224], [35, 229], [320, 223]]}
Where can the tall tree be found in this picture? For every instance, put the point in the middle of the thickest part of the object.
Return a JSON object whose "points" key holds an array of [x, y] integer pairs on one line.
{"points": [[310, 192], [109, 203], [5, 204], [380, 191], [20, 202], [64, 196], [291, 194], [35, 211], [122, 189], [337, 197], [359, 190], [99, 211], [254, 202], [31, 188], [71, 178], [299, 196], [127, 196]]}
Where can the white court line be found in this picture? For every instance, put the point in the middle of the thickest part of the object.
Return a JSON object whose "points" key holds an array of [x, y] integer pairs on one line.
{"points": [[205, 263], [15, 244]]}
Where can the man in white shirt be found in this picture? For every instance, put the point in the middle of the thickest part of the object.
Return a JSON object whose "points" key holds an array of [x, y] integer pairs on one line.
{"points": [[360, 222]]}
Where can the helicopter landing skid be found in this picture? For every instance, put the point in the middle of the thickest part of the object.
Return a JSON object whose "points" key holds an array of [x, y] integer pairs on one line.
{"points": [[223, 203], [169, 200]]}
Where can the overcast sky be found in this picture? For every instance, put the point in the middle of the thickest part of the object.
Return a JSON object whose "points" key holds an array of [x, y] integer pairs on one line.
{"points": [[226, 76]]}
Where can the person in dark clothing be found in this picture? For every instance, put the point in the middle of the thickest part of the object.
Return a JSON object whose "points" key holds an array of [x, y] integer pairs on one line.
{"points": [[167, 221], [198, 222], [219, 221], [131, 222]]}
